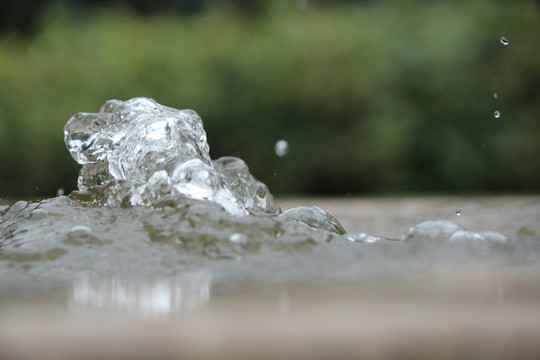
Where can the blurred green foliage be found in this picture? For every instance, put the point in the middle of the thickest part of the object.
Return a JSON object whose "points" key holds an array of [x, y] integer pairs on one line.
{"points": [[373, 97]]}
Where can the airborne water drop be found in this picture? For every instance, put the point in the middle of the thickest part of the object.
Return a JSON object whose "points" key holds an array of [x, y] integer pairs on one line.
{"points": [[497, 114], [281, 148], [504, 41]]}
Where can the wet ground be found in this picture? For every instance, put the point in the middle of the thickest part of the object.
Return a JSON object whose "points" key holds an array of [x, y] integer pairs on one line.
{"points": [[327, 301]]}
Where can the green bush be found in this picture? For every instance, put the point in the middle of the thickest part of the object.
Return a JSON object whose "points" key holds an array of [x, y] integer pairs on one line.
{"points": [[372, 97]]}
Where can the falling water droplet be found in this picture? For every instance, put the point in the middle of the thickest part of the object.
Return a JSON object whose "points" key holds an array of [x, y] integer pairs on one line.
{"points": [[495, 96], [497, 114], [60, 192], [281, 148], [458, 212], [504, 41]]}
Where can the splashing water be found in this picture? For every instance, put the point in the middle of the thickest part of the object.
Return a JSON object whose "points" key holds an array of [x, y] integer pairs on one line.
{"points": [[149, 153], [151, 199]]}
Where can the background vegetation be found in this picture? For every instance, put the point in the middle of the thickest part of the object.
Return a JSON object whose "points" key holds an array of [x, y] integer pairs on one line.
{"points": [[372, 96]]}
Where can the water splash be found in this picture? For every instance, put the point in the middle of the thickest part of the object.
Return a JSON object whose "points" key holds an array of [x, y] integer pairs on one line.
{"points": [[151, 199], [142, 153]]}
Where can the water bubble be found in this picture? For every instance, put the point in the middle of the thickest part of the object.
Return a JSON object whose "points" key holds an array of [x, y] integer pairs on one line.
{"points": [[80, 233], [504, 41], [495, 237], [314, 217], [497, 114], [464, 236], [495, 96], [458, 212], [432, 230], [281, 148], [60, 192]]}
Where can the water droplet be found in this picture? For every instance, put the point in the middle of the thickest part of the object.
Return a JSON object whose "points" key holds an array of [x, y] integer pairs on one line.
{"points": [[281, 148], [60, 192], [495, 96], [497, 114], [458, 212], [504, 41]]}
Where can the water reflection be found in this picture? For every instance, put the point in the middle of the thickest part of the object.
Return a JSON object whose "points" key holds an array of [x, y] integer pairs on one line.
{"points": [[144, 296]]}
